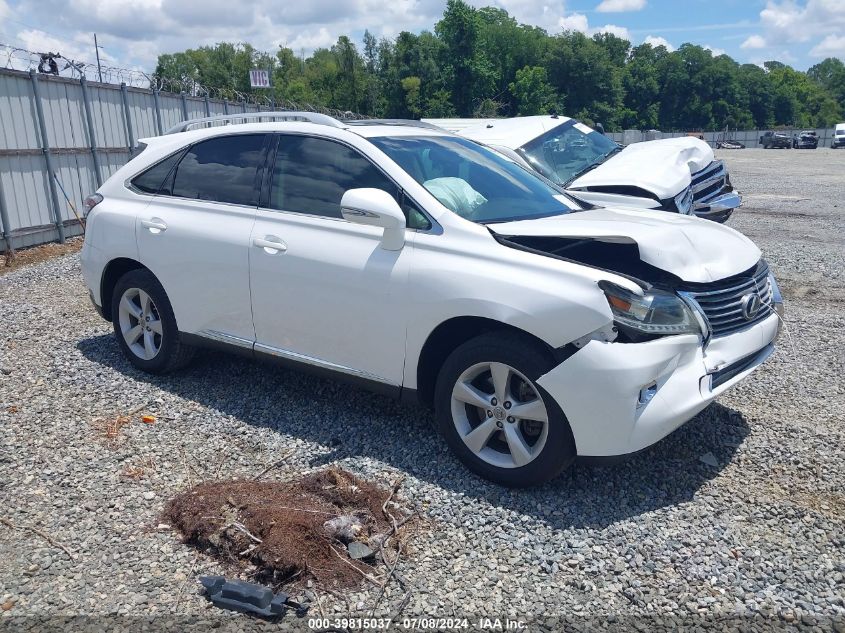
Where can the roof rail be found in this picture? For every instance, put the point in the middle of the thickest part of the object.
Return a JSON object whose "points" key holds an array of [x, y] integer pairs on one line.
{"points": [[253, 117]]}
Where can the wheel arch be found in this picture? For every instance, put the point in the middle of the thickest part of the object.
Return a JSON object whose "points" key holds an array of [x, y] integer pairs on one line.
{"points": [[112, 273], [446, 337]]}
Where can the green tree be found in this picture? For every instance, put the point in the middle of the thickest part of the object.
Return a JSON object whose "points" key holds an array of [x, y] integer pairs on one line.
{"points": [[459, 30], [532, 91]]}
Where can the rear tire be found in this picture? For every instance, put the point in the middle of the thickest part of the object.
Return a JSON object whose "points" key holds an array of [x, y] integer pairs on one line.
{"points": [[145, 326], [496, 418]]}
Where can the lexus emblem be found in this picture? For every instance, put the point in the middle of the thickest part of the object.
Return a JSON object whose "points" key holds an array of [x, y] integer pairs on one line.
{"points": [[750, 305]]}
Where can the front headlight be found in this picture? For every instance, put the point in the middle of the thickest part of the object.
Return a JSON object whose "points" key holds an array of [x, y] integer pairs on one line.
{"points": [[655, 313], [683, 201]]}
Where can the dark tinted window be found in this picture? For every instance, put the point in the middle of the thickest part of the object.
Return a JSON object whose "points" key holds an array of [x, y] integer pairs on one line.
{"points": [[221, 169], [151, 180], [312, 174]]}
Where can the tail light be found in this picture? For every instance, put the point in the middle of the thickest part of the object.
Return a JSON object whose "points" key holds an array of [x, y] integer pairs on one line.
{"points": [[90, 202]]}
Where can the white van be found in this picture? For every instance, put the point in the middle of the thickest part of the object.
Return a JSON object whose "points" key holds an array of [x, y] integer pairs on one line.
{"points": [[838, 136]]}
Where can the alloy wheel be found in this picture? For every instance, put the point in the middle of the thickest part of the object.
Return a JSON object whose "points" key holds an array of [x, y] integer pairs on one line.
{"points": [[499, 414], [140, 323]]}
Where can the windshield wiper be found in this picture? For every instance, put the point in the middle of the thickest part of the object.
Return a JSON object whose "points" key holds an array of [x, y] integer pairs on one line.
{"points": [[601, 159]]}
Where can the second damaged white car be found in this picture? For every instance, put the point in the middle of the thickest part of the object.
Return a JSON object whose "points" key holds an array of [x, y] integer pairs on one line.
{"points": [[424, 265], [679, 175]]}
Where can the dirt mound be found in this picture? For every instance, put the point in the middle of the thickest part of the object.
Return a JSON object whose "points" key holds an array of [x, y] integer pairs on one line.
{"points": [[279, 527]]}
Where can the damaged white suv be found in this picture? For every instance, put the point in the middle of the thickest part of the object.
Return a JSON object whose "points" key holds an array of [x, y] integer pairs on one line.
{"points": [[426, 266]]}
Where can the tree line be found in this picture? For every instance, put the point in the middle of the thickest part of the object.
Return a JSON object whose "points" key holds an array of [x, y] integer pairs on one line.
{"points": [[482, 62]]}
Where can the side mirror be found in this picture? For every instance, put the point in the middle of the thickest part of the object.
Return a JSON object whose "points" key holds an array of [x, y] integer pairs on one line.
{"points": [[375, 207]]}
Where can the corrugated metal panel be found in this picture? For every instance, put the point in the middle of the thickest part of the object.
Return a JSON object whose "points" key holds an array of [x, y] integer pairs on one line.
{"points": [[25, 188], [171, 109], [19, 129], [107, 112], [142, 110]]}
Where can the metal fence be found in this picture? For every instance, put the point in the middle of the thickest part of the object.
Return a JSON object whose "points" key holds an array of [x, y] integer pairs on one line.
{"points": [[749, 138], [62, 137]]}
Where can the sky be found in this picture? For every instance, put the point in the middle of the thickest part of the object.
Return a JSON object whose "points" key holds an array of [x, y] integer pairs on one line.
{"points": [[132, 33]]}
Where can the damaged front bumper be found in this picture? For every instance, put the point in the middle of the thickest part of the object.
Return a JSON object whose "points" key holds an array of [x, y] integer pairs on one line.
{"points": [[713, 195], [622, 397]]}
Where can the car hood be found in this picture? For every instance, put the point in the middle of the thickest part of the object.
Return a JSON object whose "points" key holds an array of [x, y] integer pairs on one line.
{"points": [[664, 168], [695, 250]]}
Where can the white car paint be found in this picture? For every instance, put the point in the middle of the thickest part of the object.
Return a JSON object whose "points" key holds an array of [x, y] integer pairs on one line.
{"points": [[329, 292], [673, 243], [663, 168]]}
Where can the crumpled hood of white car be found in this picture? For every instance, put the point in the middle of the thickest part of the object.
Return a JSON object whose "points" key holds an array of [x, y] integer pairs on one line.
{"points": [[695, 250], [663, 167]]}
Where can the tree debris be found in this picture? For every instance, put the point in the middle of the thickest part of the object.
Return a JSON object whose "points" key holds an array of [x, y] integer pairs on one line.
{"points": [[300, 529]]}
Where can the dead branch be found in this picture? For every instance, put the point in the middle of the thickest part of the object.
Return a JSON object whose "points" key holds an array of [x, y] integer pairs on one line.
{"points": [[356, 568], [275, 464], [240, 527], [182, 586], [43, 535], [386, 582]]}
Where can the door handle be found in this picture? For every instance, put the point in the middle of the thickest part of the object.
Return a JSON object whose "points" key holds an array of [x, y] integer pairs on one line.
{"points": [[271, 244], [154, 225]]}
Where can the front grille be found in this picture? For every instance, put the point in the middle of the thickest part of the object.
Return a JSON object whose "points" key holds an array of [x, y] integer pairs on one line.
{"points": [[721, 301], [708, 183]]}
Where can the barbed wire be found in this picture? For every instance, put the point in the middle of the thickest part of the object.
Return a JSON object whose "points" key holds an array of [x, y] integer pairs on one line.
{"points": [[17, 58]]}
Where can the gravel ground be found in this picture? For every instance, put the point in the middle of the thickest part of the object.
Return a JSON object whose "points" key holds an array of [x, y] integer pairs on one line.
{"points": [[755, 531]]}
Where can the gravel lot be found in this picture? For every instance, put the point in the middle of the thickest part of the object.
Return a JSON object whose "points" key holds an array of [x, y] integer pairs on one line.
{"points": [[756, 531]]}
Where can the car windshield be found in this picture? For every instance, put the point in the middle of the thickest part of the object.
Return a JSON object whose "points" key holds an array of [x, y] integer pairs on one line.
{"points": [[567, 151], [473, 181]]}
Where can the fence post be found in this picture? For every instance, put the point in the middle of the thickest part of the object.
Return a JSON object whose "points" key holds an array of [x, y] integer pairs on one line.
{"points": [[243, 105], [6, 229], [48, 158], [225, 106], [207, 107], [184, 106], [130, 134], [92, 139], [159, 126]]}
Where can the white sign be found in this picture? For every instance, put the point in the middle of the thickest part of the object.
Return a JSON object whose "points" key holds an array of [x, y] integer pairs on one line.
{"points": [[259, 78]]}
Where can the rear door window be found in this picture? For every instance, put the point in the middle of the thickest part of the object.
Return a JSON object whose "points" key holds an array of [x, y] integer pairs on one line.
{"points": [[222, 169]]}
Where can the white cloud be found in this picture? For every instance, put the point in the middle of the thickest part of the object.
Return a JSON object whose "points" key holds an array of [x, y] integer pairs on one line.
{"points": [[545, 14], [830, 46], [790, 21], [619, 6], [574, 22], [137, 31], [618, 31], [80, 48], [658, 41], [4, 10], [579, 22], [715, 50], [753, 42]]}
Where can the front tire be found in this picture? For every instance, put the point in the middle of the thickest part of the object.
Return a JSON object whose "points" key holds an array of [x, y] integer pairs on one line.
{"points": [[145, 326], [496, 418]]}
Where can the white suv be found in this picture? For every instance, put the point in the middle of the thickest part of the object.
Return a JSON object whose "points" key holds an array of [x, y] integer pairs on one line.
{"points": [[425, 265]]}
